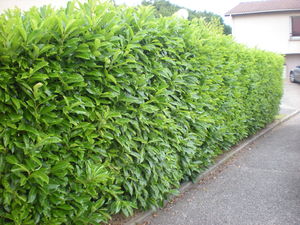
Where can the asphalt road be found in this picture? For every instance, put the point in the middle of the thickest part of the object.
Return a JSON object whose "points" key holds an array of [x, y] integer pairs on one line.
{"points": [[260, 186], [291, 97]]}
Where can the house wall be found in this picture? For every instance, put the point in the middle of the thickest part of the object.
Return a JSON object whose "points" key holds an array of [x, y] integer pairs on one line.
{"points": [[269, 31]]}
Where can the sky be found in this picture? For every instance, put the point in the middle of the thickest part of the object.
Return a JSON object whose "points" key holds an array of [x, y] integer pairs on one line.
{"points": [[219, 7]]}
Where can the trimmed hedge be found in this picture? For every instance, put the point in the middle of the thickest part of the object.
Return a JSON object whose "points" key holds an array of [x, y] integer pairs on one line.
{"points": [[105, 109]]}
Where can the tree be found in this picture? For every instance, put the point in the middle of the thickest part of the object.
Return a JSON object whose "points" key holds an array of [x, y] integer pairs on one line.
{"points": [[165, 8]]}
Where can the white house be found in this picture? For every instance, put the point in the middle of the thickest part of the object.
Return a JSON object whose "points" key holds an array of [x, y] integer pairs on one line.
{"points": [[272, 25]]}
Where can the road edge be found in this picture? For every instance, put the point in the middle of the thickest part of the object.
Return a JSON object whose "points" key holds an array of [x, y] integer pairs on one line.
{"points": [[185, 186]]}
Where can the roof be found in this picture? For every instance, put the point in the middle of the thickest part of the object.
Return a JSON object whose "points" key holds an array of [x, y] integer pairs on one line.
{"points": [[266, 6]]}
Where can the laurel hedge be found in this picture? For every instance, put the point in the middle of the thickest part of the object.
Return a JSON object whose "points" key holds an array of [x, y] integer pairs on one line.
{"points": [[105, 109]]}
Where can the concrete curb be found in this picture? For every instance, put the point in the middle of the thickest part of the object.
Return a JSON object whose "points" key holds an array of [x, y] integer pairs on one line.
{"points": [[184, 187]]}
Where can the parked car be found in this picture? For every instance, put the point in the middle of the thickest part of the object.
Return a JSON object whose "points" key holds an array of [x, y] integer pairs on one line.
{"points": [[295, 75]]}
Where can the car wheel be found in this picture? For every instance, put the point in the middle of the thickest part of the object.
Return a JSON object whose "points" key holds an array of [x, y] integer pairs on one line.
{"points": [[292, 77]]}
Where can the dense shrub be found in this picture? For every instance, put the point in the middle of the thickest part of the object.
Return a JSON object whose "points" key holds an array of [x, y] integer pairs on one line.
{"points": [[107, 109]]}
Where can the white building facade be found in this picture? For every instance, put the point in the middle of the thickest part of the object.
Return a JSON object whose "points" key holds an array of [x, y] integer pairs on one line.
{"points": [[270, 25]]}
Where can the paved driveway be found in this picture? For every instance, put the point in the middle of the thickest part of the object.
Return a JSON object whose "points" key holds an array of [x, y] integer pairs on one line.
{"points": [[291, 97], [260, 187]]}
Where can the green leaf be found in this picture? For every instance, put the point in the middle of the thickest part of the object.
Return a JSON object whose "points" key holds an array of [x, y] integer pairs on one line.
{"points": [[61, 168], [48, 140], [16, 102], [22, 32], [98, 204], [25, 127], [40, 175], [36, 88], [110, 77], [20, 168], [32, 195], [12, 159], [39, 66], [73, 78]]}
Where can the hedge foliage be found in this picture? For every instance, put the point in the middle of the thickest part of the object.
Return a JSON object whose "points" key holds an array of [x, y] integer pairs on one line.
{"points": [[105, 109]]}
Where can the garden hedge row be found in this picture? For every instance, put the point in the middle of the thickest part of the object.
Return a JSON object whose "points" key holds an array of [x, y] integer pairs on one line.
{"points": [[105, 109]]}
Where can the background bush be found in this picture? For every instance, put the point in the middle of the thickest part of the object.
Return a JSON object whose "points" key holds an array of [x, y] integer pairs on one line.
{"points": [[105, 109]]}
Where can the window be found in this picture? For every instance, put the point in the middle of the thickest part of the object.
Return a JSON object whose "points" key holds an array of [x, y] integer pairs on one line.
{"points": [[295, 26]]}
